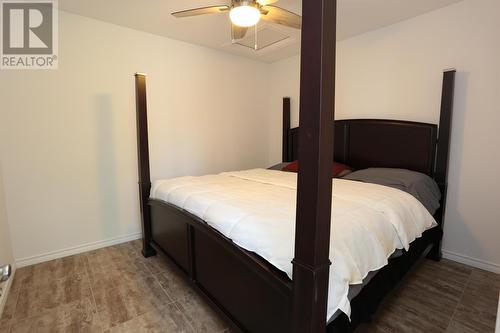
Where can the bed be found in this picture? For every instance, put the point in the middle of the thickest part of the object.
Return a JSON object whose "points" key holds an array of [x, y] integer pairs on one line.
{"points": [[255, 209], [253, 294], [250, 291]]}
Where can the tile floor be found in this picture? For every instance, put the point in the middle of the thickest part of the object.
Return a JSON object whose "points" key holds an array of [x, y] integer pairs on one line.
{"points": [[115, 289]]}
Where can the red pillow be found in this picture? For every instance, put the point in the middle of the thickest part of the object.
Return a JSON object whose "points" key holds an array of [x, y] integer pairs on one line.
{"points": [[338, 169], [292, 167]]}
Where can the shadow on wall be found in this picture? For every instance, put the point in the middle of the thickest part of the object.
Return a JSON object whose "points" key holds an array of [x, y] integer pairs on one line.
{"points": [[453, 214], [106, 163]]}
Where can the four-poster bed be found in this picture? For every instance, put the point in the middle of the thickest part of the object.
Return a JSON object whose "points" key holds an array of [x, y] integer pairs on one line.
{"points": [[249, 291]]}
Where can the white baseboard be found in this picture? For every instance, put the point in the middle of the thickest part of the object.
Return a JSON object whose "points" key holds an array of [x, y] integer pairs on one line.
{"points": [[5, 292], [498, 317], [76, 250], [477, 263]]}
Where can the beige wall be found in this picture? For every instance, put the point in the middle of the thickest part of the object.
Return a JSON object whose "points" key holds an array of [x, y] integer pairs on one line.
{"points": [[67, 137], [396, 73], [6, 256], [68, 140]]}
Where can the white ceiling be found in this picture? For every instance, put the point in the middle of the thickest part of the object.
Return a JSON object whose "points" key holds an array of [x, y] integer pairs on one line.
{"points": [[354, 17]]}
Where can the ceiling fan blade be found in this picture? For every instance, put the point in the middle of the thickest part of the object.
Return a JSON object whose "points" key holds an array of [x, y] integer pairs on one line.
{"points": [[201, 11], [238, 32], [266, 2], [281, 16]]}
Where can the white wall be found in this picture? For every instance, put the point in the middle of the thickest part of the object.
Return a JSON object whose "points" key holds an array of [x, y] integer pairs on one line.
{"points": [[67, 137], [68, 140], [396, 72], [6, 256]]}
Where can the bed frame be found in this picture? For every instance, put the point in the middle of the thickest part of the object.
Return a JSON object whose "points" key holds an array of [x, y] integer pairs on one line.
{"points": [[252, 294]]}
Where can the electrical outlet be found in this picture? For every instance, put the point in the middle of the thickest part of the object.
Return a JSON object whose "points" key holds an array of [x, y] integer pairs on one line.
{"points": [[5, 272]]}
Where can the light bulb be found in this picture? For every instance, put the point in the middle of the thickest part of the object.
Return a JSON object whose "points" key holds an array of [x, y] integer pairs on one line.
{"points": [[245, 16]]}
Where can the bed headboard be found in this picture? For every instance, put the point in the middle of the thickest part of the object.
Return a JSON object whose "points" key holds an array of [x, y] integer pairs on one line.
{"points": [[364, 143]]}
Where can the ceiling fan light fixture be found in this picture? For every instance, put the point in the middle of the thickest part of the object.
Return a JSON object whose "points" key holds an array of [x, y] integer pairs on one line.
{"points": [[245, 15]]}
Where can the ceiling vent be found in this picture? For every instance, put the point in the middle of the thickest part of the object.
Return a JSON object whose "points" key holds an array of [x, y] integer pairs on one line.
{"points": [[266, 36]]}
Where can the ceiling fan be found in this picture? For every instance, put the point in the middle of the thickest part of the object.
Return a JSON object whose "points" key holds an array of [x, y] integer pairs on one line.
{"points": [[247, 13]]}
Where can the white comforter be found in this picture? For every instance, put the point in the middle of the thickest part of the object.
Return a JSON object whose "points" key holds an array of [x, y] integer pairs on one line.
{"points": [[256, 209]]}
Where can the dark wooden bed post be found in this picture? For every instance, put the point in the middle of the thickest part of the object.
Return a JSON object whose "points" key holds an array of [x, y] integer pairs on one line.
{"points": [[314, 189], [443, 149], [286, 128], [444, 136], [143, 158]]}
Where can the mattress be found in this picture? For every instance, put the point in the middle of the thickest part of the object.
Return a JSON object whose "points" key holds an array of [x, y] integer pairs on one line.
{"points": [[256, 210]]}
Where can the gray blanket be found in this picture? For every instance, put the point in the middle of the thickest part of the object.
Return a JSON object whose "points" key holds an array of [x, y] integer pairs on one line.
{"points": [[421, 186]]}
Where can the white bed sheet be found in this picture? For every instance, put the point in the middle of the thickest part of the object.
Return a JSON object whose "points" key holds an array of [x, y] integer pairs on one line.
{"points": [[256, 210]]}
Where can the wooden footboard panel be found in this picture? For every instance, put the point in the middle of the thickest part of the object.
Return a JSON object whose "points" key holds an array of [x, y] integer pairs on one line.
{"points": [[243, 293], [250, 292], [172, 235], [247, 289]]}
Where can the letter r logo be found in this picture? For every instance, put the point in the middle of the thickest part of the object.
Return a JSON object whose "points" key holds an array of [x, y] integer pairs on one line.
{"points": [[27, 27]]}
